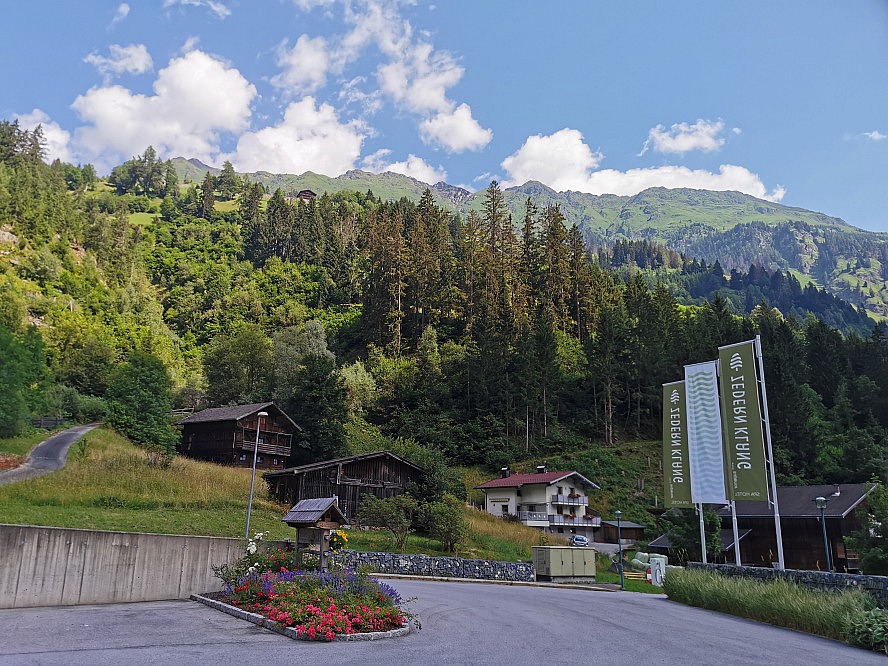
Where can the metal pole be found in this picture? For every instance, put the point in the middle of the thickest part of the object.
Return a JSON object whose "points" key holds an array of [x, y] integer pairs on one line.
{"points": [[253, 475], [771, 468], [821, 504], [618, 514], [702, 534], [736, 533]]}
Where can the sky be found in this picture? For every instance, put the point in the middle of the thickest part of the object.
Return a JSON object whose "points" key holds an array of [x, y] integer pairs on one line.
{"points": [[786, 101]]}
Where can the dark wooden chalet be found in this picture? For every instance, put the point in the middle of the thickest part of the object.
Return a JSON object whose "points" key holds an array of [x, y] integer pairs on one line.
{"points": [[382, 474], [803, 546], [227, 435]]}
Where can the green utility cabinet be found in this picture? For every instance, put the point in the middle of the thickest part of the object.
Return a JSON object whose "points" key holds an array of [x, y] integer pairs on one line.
{"points": [[564, 564]]}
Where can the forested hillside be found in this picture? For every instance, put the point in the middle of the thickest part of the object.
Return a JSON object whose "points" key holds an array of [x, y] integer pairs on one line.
{"points": [[483, 338], [735, 229]]}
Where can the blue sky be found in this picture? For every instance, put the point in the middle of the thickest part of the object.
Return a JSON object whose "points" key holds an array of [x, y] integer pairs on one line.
{"points": [[787, 101]]}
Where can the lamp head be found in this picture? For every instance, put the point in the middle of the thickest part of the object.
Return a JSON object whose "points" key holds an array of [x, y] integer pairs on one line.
{"points": [[618, 514], [820, 502], [262, 414]]}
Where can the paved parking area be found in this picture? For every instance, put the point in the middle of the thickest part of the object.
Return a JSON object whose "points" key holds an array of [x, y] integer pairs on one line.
{"points": [[463, 623]]}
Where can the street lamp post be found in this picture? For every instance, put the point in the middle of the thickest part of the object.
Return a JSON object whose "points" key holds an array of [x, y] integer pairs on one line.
{"points": [[619, 514], [820, 503], [253, 475]]}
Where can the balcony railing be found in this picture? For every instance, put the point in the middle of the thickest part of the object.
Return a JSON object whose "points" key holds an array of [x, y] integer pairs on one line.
{"points": [[584, 521], [541, 516], [270, 443], [568, 500]]}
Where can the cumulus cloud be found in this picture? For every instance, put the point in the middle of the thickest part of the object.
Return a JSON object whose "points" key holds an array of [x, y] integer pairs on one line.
{"points": [[57, 139], [875, 135], [563, 161], [218, 8], [196, 98], [132, 59], [456, 130], [413, 166], [122, 12], [411, 73], [304, 67], [683, 137], [309, 138]]}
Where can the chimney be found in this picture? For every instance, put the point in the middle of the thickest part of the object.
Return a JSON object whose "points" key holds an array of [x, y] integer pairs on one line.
{"points": [[541, 469], [837, 491], [505, 473]]}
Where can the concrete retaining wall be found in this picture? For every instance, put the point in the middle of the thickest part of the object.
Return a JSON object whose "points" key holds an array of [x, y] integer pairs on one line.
{"points": [[446, 567], [51, 566], [817, 580]]}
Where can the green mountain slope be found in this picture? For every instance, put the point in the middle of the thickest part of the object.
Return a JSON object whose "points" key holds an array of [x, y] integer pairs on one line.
{"points": [[735, 229]]}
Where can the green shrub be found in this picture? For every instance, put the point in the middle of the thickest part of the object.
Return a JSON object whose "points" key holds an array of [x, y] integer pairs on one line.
{"points": [[869, 630], [776, 602]]}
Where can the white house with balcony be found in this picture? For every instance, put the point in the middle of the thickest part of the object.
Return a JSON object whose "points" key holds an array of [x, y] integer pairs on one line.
{"points": [[556, 502]]}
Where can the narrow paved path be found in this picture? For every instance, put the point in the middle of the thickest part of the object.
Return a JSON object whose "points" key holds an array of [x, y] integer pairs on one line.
{"points": [[48, 456]]}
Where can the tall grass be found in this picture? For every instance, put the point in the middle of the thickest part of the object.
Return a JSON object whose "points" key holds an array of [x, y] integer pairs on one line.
{"points": [[108, 483], [777, 602]]}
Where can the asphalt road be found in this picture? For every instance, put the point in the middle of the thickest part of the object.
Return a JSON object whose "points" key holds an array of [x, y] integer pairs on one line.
{"points": [[463, 623], [48, 456]]}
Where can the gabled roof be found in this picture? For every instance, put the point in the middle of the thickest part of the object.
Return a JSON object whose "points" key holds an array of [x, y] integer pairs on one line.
{"points": [[798, 501], [726, 536], [235, 413], [309, 511], [311, 467], [624, 524], [548, 478]]}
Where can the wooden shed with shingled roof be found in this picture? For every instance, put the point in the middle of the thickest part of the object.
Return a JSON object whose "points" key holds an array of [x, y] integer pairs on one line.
{"points": [[228, 435]]}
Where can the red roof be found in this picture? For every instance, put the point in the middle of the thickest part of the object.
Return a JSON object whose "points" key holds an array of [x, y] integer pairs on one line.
{"points": [[516, 480]]}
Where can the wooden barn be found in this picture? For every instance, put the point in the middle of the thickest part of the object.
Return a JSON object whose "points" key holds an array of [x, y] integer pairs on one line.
{"points": [[803, 546], [227, 435], [382, 474]]}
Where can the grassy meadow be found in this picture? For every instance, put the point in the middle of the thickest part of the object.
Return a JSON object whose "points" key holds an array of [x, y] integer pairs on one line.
{"points": [[109, 484]]}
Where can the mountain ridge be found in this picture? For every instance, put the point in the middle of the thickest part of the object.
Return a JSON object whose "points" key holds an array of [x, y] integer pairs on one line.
{"points": [[731, 227]]}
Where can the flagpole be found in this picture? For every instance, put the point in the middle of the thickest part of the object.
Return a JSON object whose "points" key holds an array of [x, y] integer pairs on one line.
{"points": [[702, 533], [736, 534], [767, 419]]}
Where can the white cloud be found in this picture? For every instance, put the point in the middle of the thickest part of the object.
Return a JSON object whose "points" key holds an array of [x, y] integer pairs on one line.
{"points": [[351, 93], [304, 66], [196, 98], [309, 138], [122, 12], [411, 73], [456, 130], [218, 8], [875, 135], [683, 137], [57, 139], [413, 166], [132, 59], [563, 161]]}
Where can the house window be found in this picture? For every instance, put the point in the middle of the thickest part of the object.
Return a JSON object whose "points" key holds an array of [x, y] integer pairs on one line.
{"points": [[243, 456], [274, 461], [560, 490], [258, 458], [531, 507], [559, 509], [505, 508]]}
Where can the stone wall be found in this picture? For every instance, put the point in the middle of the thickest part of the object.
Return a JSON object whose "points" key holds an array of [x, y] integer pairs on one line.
{"points": [[816, 580], [445, 567]]}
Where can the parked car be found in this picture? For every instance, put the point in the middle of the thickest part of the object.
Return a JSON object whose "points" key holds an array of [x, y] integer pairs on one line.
{"points": [[579, 540]]}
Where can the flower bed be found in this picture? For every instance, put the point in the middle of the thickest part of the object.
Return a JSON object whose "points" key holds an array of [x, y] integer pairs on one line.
{"points": [[317, 605]]}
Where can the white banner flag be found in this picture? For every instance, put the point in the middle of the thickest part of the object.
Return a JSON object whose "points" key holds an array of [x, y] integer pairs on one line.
{"points": [[705, 450]]}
